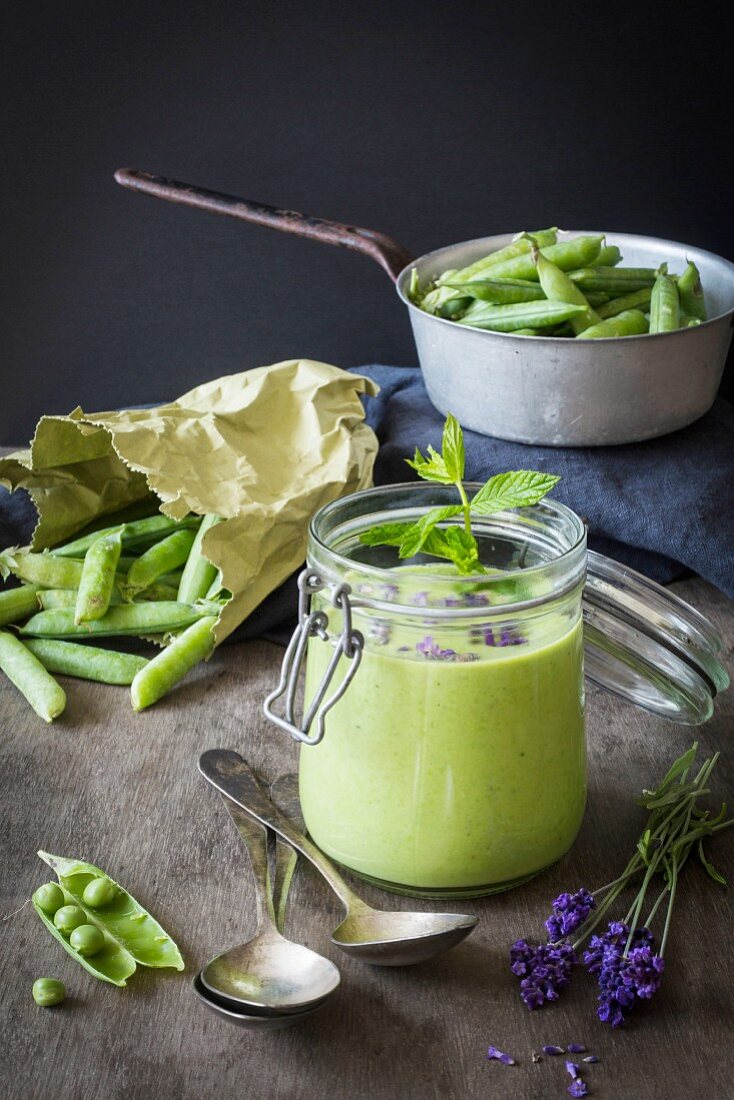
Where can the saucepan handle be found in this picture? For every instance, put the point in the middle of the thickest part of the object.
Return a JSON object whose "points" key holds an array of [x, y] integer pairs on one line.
{"points": [[379, 247]]}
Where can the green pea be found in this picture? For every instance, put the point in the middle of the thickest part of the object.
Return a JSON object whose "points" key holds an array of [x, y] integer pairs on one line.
{"points": [[87, 940], [99, 892], [69, 917], [49, 897], [48, 992]]}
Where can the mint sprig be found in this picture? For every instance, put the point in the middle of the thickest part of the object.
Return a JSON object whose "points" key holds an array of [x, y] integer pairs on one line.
{"points": [[514, 489]]}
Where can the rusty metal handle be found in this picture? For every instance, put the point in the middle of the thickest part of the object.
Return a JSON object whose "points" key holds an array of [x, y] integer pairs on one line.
{"points": [[380, 248]]}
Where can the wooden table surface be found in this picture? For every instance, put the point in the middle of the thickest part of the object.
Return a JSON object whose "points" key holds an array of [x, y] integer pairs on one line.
{"points": [[123, 791]]}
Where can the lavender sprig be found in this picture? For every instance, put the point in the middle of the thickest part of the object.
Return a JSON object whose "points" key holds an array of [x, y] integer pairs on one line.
{"points": [[628, 967]]}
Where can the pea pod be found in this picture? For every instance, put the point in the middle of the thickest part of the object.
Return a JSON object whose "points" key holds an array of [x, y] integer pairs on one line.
{"points": [[579, 252], [43, 569], [50, 598], [18, 603], [630, 323], [521, 315], [161, 558], [98, 577], [609, 256], [132, 618], [521, 246], [692, 300], [502, 291], [112, 964], [122, 920], [664, 305], [133, 534], [638, 299], [559, 288], [26, 672], [198, 573], [86, 662], [613, 280], [171, 665]]}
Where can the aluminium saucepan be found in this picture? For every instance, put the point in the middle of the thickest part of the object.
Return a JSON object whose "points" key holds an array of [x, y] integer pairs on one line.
{"points": [[534, 389]]}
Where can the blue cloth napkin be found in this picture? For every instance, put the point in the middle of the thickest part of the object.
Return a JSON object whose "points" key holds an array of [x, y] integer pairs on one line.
{"points": [[665, 507]]}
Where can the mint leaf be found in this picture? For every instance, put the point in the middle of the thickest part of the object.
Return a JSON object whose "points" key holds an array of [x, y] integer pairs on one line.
{"points": [[456, 545], [515, 489], [432, 468], [385, 534], [452, 447], [418, 532]]}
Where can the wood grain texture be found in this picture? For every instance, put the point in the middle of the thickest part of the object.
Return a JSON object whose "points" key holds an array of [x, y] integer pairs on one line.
{"points": [[123, 791]]}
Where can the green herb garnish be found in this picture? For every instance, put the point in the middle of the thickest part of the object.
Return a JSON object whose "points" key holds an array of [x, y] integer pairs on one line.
{"points": [[456, 543]]}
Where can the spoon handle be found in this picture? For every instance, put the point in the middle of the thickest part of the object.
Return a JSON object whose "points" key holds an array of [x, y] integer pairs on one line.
{"points": [[232, 776], [255, 838], [285, 797]]}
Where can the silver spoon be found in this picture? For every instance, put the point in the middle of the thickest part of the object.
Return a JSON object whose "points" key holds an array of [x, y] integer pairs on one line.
{"points": [[384, 939], [242, 1019], [269, 974]]}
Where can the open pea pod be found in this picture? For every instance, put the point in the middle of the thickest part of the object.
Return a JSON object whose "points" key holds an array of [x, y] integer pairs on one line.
{"points": [[113, 963], [122, 919]]}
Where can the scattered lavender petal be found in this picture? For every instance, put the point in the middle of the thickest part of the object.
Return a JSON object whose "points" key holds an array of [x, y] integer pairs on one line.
{"points": [[590, 1058], [552, 1050], [575, 1048], [578, 1087], [572, 1070], [493, 1054]]}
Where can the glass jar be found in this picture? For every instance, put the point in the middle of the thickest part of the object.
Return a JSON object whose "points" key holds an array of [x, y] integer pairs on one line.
{"points": [[442, 740]]}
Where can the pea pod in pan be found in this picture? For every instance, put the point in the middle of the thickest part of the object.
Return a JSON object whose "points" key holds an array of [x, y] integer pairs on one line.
{"points": [[575, 253], [122, 919]]}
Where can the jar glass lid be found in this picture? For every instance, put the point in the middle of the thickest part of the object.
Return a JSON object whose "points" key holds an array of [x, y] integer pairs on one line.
{"points": [[648, 646]]}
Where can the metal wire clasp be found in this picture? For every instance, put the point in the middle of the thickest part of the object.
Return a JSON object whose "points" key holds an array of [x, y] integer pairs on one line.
{"points": [[311, 623]]}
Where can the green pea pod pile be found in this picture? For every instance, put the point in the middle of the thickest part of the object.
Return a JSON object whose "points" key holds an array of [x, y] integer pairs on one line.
{"points": [[540, 286], [130, 935], [162, 589]]}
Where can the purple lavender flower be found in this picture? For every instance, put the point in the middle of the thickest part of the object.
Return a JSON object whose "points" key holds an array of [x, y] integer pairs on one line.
{"points": [[623, 979], [577, 1087], [419, 599], [552, 1050], [506, 636], [575, 1048], [493, 1054], [432, 651], [572, 1070], [543, 970], [592, 1058], [380, 632], [569, 911]]}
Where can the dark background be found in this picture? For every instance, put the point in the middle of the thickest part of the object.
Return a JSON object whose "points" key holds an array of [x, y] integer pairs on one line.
{"points": [[432, 122]]}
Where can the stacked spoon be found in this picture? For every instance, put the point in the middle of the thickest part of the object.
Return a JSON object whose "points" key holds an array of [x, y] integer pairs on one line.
{"points": [[271, 982]]}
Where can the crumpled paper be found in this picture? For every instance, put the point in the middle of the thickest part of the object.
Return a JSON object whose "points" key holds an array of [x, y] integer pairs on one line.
{"points": [[264, 449]]}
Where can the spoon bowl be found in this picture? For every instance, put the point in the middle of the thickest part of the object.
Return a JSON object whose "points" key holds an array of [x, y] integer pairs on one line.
{"points": [[400, 939], [252, 1022], [271, 975]]}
